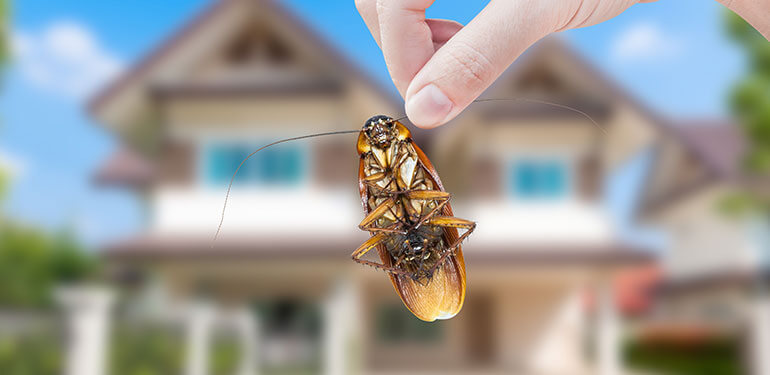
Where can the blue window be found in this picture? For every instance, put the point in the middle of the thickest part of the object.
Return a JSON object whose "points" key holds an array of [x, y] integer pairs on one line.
{"points": [[278, 165], [534, 178]]}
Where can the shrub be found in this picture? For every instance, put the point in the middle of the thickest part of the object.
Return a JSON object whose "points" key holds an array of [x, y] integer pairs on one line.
{"points": [[715, 356]]}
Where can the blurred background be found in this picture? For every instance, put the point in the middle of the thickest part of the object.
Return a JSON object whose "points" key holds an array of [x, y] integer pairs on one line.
{"points": [[638, 246]]}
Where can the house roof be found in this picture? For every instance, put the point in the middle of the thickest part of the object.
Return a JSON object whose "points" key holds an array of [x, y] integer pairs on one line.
{"points": [[718, 146], [125, 167], [556, 45], [728, 278], [142, 68]]}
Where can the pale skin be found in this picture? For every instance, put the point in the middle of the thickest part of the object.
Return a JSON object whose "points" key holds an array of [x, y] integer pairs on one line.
{"points": [[441, 66]]}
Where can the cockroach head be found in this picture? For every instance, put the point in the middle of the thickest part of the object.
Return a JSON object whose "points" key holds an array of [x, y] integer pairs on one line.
{"points": [[380, 130]]}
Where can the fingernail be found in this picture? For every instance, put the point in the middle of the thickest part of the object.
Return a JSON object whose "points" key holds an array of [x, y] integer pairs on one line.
{"points": [[428, 107]]}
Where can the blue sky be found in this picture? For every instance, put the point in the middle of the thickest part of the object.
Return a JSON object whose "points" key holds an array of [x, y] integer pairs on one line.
{"points": [[671, 54]]}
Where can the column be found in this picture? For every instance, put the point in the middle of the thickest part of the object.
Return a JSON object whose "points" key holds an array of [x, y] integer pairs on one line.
{"points": [[559, 349], [200, 319], [760, 356], [341, 326], [608, 340], [247, 329], [87, 311]]}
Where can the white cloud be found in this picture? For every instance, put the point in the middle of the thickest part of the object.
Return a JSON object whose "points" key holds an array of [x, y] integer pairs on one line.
{"points": [[644, 42], [64, 58]]}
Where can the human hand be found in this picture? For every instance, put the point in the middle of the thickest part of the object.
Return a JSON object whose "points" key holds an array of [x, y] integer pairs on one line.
{"points": [[440, 66]]}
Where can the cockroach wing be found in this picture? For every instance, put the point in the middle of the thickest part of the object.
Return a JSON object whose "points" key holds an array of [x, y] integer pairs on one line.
{"points": [[443, 296]]}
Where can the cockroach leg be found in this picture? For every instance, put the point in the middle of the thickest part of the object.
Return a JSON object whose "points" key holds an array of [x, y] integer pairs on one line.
{"points": [[379, 190], [427, 194], [453, 222], [368, 224], [376, 213], [375, 177], [441, 197], [369, 244]]}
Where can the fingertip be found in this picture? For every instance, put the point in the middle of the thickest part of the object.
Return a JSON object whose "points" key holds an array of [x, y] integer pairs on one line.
{"points": [[429, 107]]}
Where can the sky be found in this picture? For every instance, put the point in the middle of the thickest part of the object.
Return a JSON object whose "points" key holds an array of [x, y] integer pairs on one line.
{"points": [[672, 55]]}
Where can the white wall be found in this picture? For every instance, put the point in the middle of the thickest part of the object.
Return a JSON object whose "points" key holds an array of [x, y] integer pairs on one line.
{"points": [[705, 240]]}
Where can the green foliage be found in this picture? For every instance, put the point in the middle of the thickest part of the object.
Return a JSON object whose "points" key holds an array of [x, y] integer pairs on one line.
{"points": [[750, 99], [156, 349], [710, 357], [135, 349], [4, 181], [39, 353], [33, 262], [739, 204], [146, 350], [740, 30], [225, 355]]}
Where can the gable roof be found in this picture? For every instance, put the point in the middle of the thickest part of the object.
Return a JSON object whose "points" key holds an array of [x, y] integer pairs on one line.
{"points": [[200, 23], [556, 46], [718, 146]]}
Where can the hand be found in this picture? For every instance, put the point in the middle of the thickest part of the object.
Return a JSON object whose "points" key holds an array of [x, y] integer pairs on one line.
{"points": [[440, 66]]}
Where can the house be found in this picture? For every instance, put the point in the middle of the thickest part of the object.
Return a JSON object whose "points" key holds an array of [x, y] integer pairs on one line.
{"points": [[530, 173]]}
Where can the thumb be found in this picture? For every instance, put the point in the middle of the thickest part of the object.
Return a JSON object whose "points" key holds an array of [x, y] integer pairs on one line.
{"points": [[473, 58]]}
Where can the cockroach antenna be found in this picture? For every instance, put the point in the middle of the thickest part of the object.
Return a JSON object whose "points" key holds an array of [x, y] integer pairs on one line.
{"points": [[537, 101], [230, 185], [545, 102]]}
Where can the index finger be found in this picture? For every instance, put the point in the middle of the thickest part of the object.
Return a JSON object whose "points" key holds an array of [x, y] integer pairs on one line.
{"points": [[406, 38]]}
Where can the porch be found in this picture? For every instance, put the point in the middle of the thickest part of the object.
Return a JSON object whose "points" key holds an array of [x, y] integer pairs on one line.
{"points": [[329, 316]]}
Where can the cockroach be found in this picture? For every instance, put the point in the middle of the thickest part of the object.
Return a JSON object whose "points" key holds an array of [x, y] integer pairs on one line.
{"points": [[411, 221], [408, 215]]}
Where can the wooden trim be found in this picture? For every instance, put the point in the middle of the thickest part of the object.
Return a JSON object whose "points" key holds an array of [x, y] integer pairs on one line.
{"points": [[186, 248], [279, 89]]}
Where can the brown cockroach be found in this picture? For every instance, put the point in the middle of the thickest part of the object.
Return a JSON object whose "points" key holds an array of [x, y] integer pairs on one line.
{"points": [[411, 221], [408, 215]]}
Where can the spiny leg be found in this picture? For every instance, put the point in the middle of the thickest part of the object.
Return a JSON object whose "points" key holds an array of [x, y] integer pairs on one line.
{"points": [[454, 222], [367, 223], [441, 197], [371, 182], [369, 244], [451, 222], [383, 191]]}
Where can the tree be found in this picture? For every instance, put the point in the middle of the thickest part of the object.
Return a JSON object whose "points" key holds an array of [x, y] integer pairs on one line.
{"points": [[750, 104], [750, 100], [32, 262]]}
